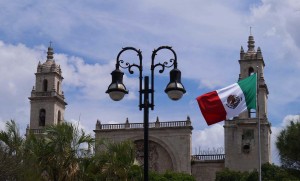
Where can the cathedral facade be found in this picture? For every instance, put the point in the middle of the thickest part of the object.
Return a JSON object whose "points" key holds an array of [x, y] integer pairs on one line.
{"points": [[246, 137]]}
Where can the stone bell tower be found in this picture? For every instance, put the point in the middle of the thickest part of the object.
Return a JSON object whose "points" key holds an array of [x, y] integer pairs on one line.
{"points": [[47, 98], [241, 133]]}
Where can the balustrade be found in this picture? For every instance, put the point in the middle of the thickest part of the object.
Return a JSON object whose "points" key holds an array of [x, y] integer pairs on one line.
{"points": [[141, 125], [208, 157], [34, 131], [46, 94]]}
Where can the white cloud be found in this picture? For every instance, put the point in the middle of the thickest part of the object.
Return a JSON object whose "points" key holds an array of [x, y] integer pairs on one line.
{"points": [[17, 66], [208, 139], [290, 118], [2, 125], [274, 151]]}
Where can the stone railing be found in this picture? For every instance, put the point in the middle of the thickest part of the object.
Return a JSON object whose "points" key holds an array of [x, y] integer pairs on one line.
{"points": [[208, 157], [46, 94], [157, 124], [41, 94], [34, 131]]}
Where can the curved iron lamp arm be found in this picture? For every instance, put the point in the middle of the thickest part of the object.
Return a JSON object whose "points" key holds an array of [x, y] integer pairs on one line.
{"points": [[172, 62], [126, 65]]}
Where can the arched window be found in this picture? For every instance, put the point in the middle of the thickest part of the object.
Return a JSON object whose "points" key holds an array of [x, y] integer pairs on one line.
{"points": [[45, 85], [251, 71], [42, 117], [59, 117], [57, 87]]}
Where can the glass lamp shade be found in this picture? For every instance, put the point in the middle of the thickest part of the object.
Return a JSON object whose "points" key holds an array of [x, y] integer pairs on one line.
{"points": [[116, 91], [175, 90]]}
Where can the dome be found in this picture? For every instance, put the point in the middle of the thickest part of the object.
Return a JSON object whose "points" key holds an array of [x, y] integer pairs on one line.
{"points": [[49, 65]]}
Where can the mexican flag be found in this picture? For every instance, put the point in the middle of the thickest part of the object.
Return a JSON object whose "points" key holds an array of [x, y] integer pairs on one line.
{"points": [[228, 102]]}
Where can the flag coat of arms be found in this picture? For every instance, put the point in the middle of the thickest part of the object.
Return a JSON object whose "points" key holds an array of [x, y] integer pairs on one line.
{"points": [[230, 101]]}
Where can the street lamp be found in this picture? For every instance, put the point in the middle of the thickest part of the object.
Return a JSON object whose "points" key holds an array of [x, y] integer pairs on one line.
{"points": [[174, 89]]}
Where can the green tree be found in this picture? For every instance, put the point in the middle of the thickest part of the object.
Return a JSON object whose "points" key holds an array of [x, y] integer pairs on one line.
{"points": [[11, 139], [11, 146], [289, 147], [270, 172], [116, 161], [58, 153], [36, 150], [170, 176], [232, 175], [274, 172]]}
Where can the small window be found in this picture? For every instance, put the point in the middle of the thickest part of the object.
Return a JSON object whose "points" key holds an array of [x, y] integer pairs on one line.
{"points": [[45, 85], [247, 138], [59, 117], [57, 87], [42, 117], [246, 148]]}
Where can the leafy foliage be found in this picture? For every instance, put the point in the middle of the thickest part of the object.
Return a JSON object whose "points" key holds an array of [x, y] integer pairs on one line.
{"points": [[116, 161], [11, 138], [289, 147], [57, 153], [64, 153], [170, 176], [269, 172], [11, 144], [231, 175], [273, 172]]}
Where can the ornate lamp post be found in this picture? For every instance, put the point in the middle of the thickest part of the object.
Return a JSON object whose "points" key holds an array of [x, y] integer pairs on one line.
{"points": [[174, 89]]}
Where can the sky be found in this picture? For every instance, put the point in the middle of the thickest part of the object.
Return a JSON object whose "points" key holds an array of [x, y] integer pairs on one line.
{"points": [[206, 36]]}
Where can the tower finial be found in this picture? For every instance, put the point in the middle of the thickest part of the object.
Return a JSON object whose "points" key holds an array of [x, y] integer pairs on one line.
{"points": [[50, 52], [251, 43], [250, 31]]}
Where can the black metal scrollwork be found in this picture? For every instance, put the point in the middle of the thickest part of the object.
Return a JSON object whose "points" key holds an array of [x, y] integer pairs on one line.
{"points": [[126, 65]]}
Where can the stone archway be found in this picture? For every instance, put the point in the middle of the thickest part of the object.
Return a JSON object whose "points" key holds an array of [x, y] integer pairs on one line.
{"points": [[159, 158]]}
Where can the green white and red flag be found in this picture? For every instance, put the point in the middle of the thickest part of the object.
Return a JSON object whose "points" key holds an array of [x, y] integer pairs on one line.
{"points": [[230, 101]]}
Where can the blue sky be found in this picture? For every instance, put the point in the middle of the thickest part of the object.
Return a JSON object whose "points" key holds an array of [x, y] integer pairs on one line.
{"points": [[206, 35]]}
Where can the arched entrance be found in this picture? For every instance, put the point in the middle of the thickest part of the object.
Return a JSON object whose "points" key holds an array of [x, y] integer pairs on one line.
{"points": [[159, 158]]}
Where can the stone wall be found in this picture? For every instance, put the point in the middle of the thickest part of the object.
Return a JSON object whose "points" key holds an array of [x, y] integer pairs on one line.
{"points": [[169, 142], [205, 170], [241, 143]]}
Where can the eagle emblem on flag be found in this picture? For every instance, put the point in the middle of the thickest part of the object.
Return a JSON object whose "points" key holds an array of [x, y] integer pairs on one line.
{"points": [[233, 101]]}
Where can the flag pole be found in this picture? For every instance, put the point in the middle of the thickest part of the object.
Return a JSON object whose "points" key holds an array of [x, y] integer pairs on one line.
{"points": [[258, 117]]}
